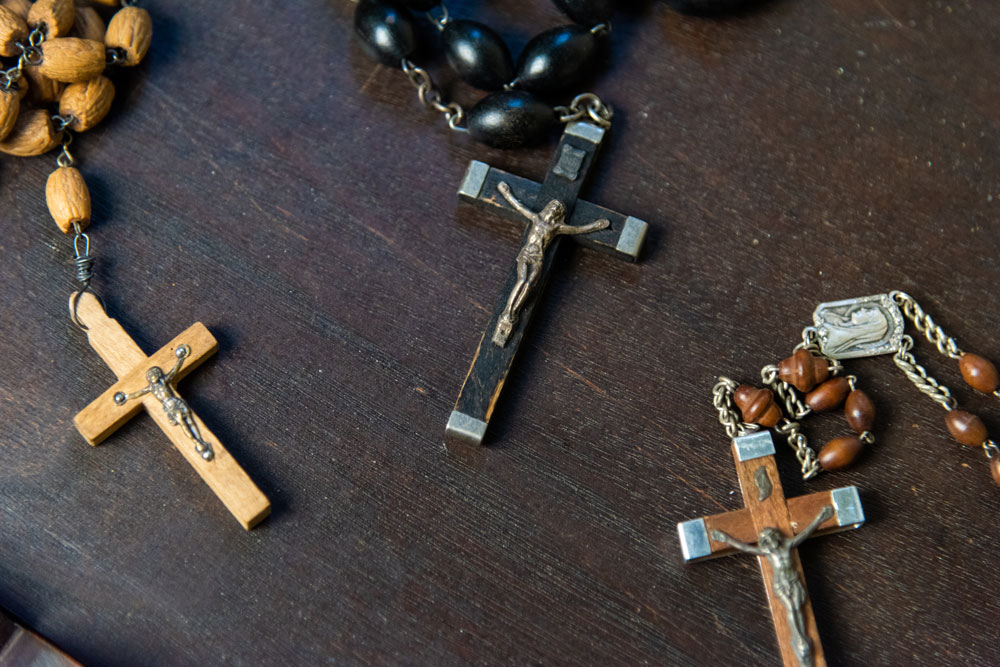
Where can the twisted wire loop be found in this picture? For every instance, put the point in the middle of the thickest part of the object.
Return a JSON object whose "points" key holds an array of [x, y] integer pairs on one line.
{"points": [[83, 264], [786, 393], [430, 96], [926, 325], [918, 375], [31, 54], [798, 441], [589, 106], [991, 449], [729, 416]]}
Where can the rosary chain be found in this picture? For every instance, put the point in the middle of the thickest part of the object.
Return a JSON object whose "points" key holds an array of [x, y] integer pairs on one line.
{"points": [[923, 323], [918, 375], [729, 416], [589, 106], [31, 54], [798, 441], [794, 405], [430, 96]]}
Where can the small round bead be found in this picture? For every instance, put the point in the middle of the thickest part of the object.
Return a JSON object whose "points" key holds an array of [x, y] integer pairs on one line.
{"points": [[13, 29], [803, 370], [587, 12], [88, 103], [757, 405], [966, 428], [995, 469], [477, 54], [386, 31], [33, 134], [860, 411], [840, 452], [557, 59], [979, 373], [510, 119], [55, 17], [68, 198], [828, 395], [130, 31], [420, 5]]}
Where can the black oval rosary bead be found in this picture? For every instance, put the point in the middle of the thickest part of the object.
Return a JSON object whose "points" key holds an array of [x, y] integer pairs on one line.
{"points": [[477, 54], [557, 60], [420, 5], [587, 12], [386, 31], [511, 119]]}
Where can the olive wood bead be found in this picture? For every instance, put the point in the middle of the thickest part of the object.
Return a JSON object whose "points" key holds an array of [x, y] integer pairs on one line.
{"points": [[386, 31], [130, 31], [88, 103], [966, 428], [19, 7], [840, 452], [979, 373], [72, 59], [587, 12], [89, 24], [10, 106], [828, 395], [13, 29], [803, 370], [757, 405], [860, 411], [33, 134], [995, 469], [43, 89], [54, 16], [477, 54], [68, 198], [557, 60], [510, 119]]}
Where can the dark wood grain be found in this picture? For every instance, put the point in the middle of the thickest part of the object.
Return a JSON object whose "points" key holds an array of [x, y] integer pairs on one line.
{"points": [[260, 175]]}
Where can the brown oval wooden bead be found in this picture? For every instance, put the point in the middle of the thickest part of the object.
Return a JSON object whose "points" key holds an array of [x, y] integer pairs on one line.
{"points": [[828, 395], [757, 405], [131, 30], [995, 469], [860, 411], [43, 89], [88, 103], [68, 198], [979, 373], [10, 107], [72, 59], [13, 29], [55, 16], [803, 370], [33, 134], [966, 428], [840, 452], [88, 24], [19, 7]]}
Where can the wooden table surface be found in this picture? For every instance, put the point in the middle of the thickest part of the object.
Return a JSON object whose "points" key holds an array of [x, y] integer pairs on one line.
{"points": [[260, 175]]}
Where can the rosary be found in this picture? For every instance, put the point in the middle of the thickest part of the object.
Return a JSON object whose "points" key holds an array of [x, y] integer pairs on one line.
{"points": [[61, 52]]}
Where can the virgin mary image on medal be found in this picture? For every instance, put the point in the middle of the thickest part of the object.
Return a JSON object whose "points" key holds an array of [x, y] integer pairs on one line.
{"points": [[863, 327]]}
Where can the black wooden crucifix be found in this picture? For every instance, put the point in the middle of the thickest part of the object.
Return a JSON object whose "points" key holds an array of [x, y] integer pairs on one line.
{"points": [[553, 212]]}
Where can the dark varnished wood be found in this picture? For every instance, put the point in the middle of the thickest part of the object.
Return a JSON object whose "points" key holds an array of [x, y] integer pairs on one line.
{"points": [[302, 205]]}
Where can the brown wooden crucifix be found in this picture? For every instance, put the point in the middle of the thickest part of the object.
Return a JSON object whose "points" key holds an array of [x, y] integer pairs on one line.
{"points": [[771, 528], [143, 382]]}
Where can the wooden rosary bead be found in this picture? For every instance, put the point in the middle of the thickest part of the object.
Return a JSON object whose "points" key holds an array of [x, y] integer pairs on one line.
{"points": [[966, 428], [33, 134], [88, 103], [89, 24], [13, 29], [840, 452], [43, 89], [54, 16], [72, 59], [68, 198], [510, 119], [995, 469], [386, 31], [979, 373], [19, 7], [828, 395], [477, 54], [131, 31], [757, 405], [557, 60], [860, 411], [10, 107], [803, 370]]}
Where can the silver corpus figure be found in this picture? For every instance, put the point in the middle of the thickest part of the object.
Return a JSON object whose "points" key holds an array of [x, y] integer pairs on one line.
{"points": [[176, 407], [785, 579], [545, 226]]}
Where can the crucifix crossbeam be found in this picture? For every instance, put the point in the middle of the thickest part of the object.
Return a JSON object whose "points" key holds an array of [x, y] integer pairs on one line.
{"points": [[771, 528], [554, 212], [144, 382]]}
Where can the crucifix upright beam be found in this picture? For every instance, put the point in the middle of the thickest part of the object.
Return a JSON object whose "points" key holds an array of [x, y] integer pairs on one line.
{"points": [[554, 212]]}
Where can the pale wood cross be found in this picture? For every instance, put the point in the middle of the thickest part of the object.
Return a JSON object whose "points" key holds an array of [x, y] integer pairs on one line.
{"points": [[109, 411], [767, 508]]}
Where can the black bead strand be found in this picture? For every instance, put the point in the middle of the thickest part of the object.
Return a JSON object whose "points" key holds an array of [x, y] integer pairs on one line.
{"points": [[477, 54], [558, 59], [386, 31], [511, 119]]}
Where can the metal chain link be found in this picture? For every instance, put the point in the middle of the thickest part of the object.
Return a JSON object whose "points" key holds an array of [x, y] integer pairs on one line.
{"points": [[31, 54], [430, 96], [729, 416], [923, 322], [798, 441], [786, 393], [991, 449], [918, 375], [589, 106]]}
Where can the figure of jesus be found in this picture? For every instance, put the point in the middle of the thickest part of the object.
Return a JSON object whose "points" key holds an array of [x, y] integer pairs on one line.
{"points": [[777, 548], [545, 226], [177, 409]]}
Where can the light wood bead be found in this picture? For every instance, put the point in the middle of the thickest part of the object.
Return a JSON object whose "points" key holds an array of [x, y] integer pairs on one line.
{"points": [[88, 24], [979, 372], [10, 107], [840, 452], [33, 134], [68, 198], [131, 30], [19, 7], [13, 29], [72, 59], [88, 103], [55, 16], [44, 90]]}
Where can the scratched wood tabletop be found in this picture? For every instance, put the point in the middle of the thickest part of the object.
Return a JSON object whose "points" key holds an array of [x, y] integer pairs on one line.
{"points": [[259, 174]]}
